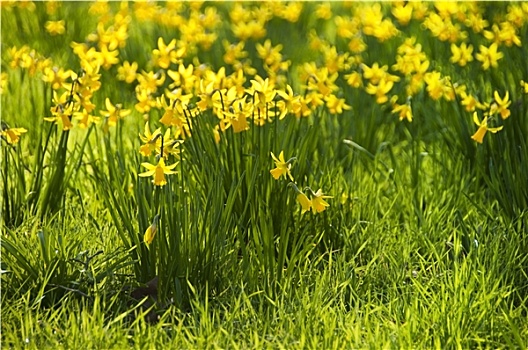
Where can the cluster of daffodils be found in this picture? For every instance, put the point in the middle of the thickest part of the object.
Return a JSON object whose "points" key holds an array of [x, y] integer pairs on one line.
{"points": [[455, 23], [34, 63], [195, 88], [72, 92], [316, 203], [499, 107], [235, 106], [28, 59], [175, 81], [163, 147]]}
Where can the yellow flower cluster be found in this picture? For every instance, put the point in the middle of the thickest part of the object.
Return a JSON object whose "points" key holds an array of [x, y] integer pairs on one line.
{"points": [[28, 59], [317, 202], [180, 87], [73, 92], [499, 106], [72, 96]]}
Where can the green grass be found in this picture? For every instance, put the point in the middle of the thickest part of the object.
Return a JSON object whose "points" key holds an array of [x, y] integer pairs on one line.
{"points": [[423, 245]]}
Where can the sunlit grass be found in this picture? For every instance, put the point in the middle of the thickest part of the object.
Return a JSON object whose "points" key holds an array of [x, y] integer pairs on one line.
{"points": [[282, 175]]}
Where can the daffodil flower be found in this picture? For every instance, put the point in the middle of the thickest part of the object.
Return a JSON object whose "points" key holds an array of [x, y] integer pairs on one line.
{"points": [[164, 54], [113, 113], [305, 203], [461, 54], [502, 104], [282, 167], [380, 90], [150, 140], [489, 56], [318, 201], [127, 72], [150, 232], [290, 102], [404, 111], [303, 200], [524, 86], [263, 91], [55, 27], [11, 135], [158, 171], [336, 105], [483, 128], [85, 118], [107, 57]]}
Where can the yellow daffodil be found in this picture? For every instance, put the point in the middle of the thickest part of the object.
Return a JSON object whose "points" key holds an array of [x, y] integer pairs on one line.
{"points": [[476, 22], [63, 110], [164, 54], [237, 116], [271, 56], [439, 86], [254, 29], [233, 52], [11, 135], [404, 111], [151, 141], [183, 78], [402, 13], [107, 57], [127, 72], [290, 102], [470, 102], [174, 116], [303, 200], [145, 100], [216, 134], [505, 33], [336, 105], [461, 54], [55, 27], [55, 76], [524, 86], [52, 6], [375, 73], [483, 128], [318, 201], [489, 56], [305, 203], [380, 90], [263, 91], [150, 233], [282, 167], [502, 105], [89, 81], [158, 171], [323, 11], [114, 112], [354, 79], [85, 118], [206, 95], [149, 81]]}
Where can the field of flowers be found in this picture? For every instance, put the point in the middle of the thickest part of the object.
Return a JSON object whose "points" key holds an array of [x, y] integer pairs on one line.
{"points": [[264, 174]]}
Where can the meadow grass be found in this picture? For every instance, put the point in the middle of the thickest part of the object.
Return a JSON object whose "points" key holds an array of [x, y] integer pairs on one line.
{"points": [[422, 242]]}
